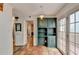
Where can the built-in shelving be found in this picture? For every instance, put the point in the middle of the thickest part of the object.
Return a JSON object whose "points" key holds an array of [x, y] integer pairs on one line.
{"points": [[47, 32]]}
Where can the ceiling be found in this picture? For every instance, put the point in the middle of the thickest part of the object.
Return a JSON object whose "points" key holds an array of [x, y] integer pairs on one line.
{"points": [[33, 9]]}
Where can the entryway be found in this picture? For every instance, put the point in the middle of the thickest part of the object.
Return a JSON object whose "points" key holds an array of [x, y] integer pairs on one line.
{"points": [[30, 35]]}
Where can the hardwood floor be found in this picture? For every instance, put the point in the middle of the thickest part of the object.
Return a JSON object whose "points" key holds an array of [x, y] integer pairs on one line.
{"points": [[38, 50], [17, 48]]}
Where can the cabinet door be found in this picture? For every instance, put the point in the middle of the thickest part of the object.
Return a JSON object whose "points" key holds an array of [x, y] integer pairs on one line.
{"points": [[42, 23], [41, 41], [50, 31], [51, 41], [51, 23]]}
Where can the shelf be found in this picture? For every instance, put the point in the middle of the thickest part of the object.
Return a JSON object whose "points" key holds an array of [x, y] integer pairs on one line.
{"points": [[51, 34], [51, 27], [42, 27], [43, 32], [42, 36]]}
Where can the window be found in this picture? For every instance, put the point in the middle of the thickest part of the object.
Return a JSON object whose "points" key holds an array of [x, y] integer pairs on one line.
{"points": [[71, 34], [77, 16], [18, 26], [74, 33], [77, 27], [72, 18], [77, 32], [62, 35], [77, 49], [72, 28]]}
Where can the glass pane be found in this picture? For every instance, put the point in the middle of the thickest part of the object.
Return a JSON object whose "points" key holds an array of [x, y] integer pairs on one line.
{"points": [[42, 23], [72, 28], [77, 38], [72, 18], [61, 37], [71, 37], [77, 49], [77, 16], [61, 22], [71, 34], [51, 41], [77, 27], [71, 46], [64, 46], [71, 52], [61, 28], [51, 23], [41, 41], [77, 33], [64, 21], [64, 28], [50, 31]]}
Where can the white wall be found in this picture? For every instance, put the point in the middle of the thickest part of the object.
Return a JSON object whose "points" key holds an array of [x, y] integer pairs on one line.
{"points": [[35, 33], [6, 27], [25, 32]]}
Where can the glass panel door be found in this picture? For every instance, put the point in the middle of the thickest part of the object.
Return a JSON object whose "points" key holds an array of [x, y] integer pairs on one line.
{"points": [[51, 41]]}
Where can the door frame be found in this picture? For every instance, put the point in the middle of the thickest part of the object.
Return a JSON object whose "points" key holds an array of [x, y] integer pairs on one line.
{"points": [[32, 22]]}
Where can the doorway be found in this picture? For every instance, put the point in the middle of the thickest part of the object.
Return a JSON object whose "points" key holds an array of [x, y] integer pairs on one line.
{"points": [[30, 33]]}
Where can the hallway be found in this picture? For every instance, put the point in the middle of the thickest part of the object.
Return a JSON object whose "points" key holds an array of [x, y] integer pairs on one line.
{"points": [[39, 29]]}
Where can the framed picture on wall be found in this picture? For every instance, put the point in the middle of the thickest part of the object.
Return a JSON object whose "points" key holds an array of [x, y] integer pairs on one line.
{"points": [[18, 26]]}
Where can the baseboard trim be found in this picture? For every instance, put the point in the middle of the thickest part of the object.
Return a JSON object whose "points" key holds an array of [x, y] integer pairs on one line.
{"points": [[20, 47], [60, 51]]}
